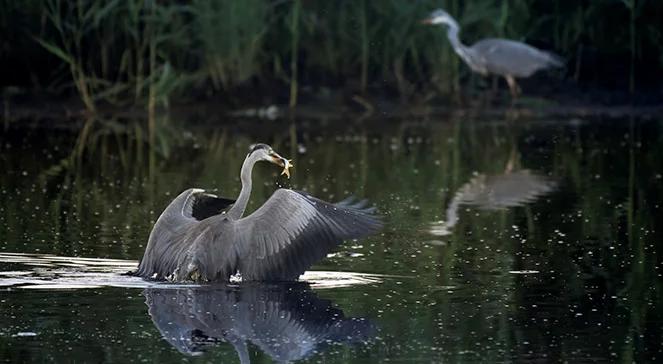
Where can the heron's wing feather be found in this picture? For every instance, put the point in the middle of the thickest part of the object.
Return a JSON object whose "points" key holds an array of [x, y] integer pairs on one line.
{"points": [[509, 57], [176, 230], [216, 254], [202, 205], [293, 230], [192, 205]]}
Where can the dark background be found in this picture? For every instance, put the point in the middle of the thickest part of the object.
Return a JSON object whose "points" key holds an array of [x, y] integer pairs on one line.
{"points": [[241, 52]]}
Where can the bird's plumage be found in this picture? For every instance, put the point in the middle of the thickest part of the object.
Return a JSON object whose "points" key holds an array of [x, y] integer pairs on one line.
{"points": [[201, 205], [277, 242], [503, 57], [509, 57], [293, 230], [180, 231]]}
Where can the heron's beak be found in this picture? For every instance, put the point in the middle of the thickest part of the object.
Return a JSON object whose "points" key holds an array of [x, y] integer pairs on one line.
{"points": [[427, 21], [281, 162]]}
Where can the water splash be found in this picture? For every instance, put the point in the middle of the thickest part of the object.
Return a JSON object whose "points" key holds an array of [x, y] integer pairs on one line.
{"points": [[52, 272]]}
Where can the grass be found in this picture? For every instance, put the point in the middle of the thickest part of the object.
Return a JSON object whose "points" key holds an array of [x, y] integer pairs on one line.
{"points": [[145, 52]]}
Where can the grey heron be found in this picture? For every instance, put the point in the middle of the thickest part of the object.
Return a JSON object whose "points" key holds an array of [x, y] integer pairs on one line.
{"points": [[194, 239], [504, 57]]}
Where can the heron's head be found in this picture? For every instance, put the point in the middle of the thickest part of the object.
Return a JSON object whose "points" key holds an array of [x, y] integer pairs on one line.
{"points": [[439, 16], [264, 152]]}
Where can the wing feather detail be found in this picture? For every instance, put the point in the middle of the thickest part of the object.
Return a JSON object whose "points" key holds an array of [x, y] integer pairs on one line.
{"points": [[293, 230], [178, 233]]}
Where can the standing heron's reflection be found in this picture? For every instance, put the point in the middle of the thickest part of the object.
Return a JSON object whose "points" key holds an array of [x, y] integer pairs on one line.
{"points": [[495, 192], [287, 322]]}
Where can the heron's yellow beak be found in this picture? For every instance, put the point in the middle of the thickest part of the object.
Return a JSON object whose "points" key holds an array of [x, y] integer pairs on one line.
{"points": [[281, 162], [426, 21]]}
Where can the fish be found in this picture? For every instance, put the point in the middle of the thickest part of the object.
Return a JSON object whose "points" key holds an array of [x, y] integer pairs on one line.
{"points": [[286, 167]]}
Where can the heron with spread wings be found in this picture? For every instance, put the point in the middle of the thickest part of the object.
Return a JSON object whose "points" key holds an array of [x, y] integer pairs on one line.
{"points": [[203, 238], [504, 57]]}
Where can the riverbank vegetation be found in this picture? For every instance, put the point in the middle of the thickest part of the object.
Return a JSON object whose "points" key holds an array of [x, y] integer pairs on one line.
{"points": [[151, 53]]}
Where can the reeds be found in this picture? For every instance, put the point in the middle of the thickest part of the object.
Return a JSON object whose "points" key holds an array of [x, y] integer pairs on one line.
{"points": [[230, 35], [115, 50], [135, 51]]}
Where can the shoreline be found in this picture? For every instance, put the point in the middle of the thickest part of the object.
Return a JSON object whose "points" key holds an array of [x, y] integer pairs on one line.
{"points": [[43, 111]]}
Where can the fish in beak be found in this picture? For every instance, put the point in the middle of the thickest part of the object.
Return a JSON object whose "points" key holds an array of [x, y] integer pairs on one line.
{"points": [[281, 162], [286, 167]]}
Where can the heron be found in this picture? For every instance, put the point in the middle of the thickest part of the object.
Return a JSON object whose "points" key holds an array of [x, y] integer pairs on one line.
{"points": [[201, 237], [503, 57]]}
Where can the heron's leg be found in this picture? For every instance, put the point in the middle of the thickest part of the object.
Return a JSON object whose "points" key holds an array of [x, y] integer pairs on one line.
{"points": [[513, 86]]}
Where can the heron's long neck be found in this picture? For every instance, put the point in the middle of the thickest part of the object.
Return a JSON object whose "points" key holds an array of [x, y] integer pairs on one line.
{"points": [[238, 208], [460, 48]]}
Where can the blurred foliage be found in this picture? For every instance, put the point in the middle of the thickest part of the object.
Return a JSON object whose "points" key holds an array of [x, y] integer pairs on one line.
{"points": [[131, 51]]}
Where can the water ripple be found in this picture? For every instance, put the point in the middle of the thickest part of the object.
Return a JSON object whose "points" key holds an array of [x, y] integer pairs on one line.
{"points": [[52, 272]]}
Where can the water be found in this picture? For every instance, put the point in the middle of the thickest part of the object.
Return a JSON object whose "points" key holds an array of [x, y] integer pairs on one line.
{"points": [[505, 240]]}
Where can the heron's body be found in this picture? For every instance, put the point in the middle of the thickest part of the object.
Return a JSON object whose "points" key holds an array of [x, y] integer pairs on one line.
{"points": [[506, 57], [194, 240], [503, 57]]}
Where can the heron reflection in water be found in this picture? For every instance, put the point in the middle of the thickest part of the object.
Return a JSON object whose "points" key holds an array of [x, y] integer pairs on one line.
{"points": [[496, 192], [504, 57], [203, 238], [286, 321]]}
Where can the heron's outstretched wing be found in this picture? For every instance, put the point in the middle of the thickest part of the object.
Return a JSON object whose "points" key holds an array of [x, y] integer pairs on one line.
{"points": [[192, 205], [176, 229], [201, 205], [293, 230], [509, 57]]}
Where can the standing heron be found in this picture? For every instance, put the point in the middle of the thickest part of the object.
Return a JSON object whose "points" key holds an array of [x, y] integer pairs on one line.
{"points": [[195, 240], [503, 57]]}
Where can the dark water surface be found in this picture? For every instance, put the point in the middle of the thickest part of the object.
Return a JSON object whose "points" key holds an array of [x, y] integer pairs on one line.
{"points": [[505, 240]]}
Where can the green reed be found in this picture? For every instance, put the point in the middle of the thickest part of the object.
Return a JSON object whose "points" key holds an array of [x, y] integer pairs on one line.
{"points": [[230, 36], [146, 52]]}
